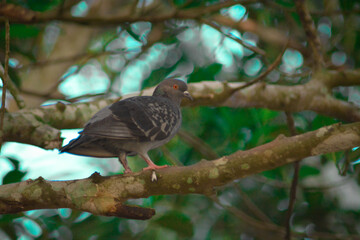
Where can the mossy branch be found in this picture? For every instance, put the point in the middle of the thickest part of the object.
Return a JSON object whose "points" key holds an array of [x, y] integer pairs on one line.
{"points": [[41, 126], [107, 195]]}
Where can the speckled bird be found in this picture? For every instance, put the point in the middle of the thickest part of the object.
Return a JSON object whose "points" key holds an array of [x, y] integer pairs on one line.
{"points": [[133, 126]]}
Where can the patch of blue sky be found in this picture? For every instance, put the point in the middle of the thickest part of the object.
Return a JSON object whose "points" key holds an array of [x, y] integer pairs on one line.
{"points": [[186, 35], [125, 42], [4, 236], [252, 67], [96, 46], [13, 62], [156, 55], [223, 56], [291, 60], [357, 161], [82, 217], [89, 80], [115, 62], [32, 227], [51, 102], [33, 214], [144, 3], [182, 70], [234, 47], [24, 237], [54, 166], [80, 9], [130, 79], [50, 36], [338, 58], [325, 29], [64, 212], [354, 95], [68, 134], [235, 33], [237, 12], [145, 69], [249, 42], [142, 29], [210, 36], [129, 41]]}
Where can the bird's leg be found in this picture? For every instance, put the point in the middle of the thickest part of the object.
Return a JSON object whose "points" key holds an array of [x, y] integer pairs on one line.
{"points": [[152, 165], [123, 161]]}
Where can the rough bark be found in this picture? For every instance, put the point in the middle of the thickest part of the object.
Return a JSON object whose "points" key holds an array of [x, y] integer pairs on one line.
{"points": [[27, 125], [106, 195]]}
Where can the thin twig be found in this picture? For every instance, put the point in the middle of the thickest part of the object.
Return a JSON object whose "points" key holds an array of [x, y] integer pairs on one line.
{"points": [[311, 33], [170, 157], [4, 79], [259, 225], [241, 42], [265, 73], [275, 229], [77, 57], [294, 183], [306, 188], [255, 210], [61, 8], [133, 7], [198, 144], [13, 89]]}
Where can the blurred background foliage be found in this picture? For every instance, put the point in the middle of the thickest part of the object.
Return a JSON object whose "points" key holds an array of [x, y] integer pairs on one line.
{"points": [[47, 65]]}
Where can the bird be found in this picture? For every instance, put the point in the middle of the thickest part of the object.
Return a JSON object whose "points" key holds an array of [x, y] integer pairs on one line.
{"points": [[133, 126]]}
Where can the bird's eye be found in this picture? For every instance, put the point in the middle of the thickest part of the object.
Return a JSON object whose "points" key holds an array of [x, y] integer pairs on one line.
{"points": [[175, 86]]}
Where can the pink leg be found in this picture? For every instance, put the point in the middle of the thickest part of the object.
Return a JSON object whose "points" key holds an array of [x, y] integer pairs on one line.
{"points": [[152, 166], [123, 161]]}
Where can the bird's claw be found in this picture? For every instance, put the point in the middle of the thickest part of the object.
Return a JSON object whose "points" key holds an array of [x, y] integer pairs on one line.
{"points": [[154, 167]]}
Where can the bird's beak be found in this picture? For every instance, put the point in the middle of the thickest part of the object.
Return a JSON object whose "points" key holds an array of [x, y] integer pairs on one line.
{"points": [[187, 95]]}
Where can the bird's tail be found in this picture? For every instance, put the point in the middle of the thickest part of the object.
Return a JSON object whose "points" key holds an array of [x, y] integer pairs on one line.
{"points": [[73, 144]]}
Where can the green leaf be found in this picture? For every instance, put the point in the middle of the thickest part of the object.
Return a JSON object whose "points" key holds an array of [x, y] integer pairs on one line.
{"points": [[14, 162], [285, 3], [320, 121], [13, 176], [22, 31], [307, 171], [42, 5], [207, 73], [178, 222]]}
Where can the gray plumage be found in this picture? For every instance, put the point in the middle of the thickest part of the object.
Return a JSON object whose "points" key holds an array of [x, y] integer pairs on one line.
{"points": [[133, 125]]}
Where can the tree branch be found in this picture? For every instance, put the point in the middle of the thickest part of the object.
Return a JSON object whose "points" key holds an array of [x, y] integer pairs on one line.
{"points": [[294, 183], [17, 14], [26, 125], [106, 195], [4, 80], [311, 33]]}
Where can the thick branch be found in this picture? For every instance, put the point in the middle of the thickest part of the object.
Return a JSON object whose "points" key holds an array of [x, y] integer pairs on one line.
{"points": [[17, 14], [26, 125], [268, 34], [106, 195]]}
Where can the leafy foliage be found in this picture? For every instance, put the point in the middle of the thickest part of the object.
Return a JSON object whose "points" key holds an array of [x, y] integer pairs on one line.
{"points": [[326, 185]]}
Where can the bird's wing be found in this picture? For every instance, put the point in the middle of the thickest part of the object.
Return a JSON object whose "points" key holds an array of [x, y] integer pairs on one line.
{"points": [[140, 118]]}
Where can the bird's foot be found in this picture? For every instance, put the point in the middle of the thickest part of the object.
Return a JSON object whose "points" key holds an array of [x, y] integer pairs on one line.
{"points": [[127, 171], [154, 167]]}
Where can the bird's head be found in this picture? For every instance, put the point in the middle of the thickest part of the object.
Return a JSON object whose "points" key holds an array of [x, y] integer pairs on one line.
{"points": [[174, 89]]}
